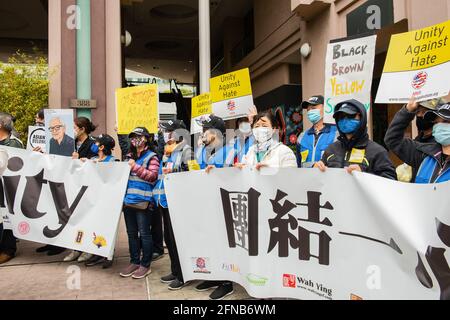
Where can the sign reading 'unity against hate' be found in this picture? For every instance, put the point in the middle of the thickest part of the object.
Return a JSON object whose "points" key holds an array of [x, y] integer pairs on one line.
{"points": [[201, 106], [137, 107], [231, 94], [348, 73], [417, 64]]}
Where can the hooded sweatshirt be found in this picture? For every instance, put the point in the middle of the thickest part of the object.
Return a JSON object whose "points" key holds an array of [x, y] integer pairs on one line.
{"points": [[369, 155]]}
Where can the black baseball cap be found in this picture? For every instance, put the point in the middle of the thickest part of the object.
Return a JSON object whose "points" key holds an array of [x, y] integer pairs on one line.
{"points": [[213, 122], [347, 107], [442, 112], [140, 131], [107, 141], [172, 125], [313, 101]]}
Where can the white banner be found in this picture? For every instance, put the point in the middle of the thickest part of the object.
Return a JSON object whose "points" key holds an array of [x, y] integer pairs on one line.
{"points": [[311, 235], [63, 202], [348, 73]]}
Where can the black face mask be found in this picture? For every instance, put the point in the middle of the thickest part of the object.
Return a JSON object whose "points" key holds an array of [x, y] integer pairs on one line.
{"points": [[423, 125]]}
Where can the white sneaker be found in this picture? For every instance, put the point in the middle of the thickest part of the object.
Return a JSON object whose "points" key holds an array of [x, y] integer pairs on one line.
{"points": [[72, 256], [84, 257]]}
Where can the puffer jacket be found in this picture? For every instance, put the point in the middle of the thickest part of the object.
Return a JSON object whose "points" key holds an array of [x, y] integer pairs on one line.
{"points": [[278, 156]]}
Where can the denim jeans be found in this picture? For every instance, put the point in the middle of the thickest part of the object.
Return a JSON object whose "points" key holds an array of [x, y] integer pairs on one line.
{"points": [[138, 223]]}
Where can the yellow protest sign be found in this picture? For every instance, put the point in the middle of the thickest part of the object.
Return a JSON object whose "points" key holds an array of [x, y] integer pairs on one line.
{"points": [[201, 105], [137, 107], [417, 64], [231, 94]]}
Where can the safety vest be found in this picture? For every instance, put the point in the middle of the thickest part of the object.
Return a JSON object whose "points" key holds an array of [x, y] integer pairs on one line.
{"points": [[139, 190], [310, 152], [224, 157], [159, 193], [426, 170]]}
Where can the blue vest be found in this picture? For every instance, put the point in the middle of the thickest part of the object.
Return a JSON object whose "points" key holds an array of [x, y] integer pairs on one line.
{"points": [[223, 157], [159, 194], [242, 149], [315, 150], [427, 169], [139, 190]]}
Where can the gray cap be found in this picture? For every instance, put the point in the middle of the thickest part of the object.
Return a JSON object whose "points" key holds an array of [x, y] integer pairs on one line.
{"points": [[433, 104]]}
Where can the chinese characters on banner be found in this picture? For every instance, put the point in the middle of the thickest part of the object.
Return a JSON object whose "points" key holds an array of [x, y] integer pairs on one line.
{"points": [[348, 73], [292, 235], [231, 94], [417, 63], [137, 107], [201, 106]]}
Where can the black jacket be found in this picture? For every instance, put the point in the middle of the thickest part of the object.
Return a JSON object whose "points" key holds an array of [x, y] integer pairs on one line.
{"points": [[409, 151], [376, 159], [85, 149], [65, 148]]}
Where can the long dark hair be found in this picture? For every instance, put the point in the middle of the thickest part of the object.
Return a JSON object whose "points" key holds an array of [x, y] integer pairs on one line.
{"points": [[85, 123]]}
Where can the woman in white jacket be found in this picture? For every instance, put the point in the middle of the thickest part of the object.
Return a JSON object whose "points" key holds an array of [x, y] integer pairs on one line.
{"points": [[267, 152], [3, 165]]}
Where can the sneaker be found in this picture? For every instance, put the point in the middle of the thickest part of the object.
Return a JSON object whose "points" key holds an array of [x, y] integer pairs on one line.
{"points": [[44, 248], [156, 256], [107, 264], [141, 273], [4, 258], [206, 285], [95, 260], [85, 257], [129, 271], [73, 256], [222, 291], [176, 285], [168, 279], [55, 251]]}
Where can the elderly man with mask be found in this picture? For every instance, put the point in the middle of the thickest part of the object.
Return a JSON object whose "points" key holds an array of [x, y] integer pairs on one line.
{"points": [[60, 143]]}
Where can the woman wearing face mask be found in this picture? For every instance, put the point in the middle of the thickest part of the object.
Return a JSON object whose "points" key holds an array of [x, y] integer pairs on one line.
{"points": [[144, 165], [431, 160], [313, 142], [267, 152], [353, 150]]}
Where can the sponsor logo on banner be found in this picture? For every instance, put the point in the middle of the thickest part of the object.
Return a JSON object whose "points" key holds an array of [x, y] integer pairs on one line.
{"points": [[231, 267], [257, 280], [289, 281], [79, 238], [420, 80], [200, 265], [355, 297], [99, 241], [23, 228], [231, 105]]}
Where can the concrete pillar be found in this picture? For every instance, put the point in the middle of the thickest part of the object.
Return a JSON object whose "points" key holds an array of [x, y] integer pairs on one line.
{"points": [[204, 45]]}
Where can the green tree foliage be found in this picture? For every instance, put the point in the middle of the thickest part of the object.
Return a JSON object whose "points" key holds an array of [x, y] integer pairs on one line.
{"points": [[24, 89]]}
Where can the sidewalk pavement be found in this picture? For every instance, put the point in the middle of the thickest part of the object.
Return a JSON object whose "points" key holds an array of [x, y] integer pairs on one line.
{"points": [[34, 276]]}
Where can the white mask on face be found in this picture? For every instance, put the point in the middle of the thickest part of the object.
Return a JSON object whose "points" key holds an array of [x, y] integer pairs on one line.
{"points": [[262, 134], [245, 128]]}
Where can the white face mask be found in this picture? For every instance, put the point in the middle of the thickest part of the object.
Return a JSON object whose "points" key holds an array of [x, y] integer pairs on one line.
{"points": [[245, 128], [262, 134]]}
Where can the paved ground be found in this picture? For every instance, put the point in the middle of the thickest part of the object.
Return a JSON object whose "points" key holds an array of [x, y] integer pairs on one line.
{"points": [[33, 276]]}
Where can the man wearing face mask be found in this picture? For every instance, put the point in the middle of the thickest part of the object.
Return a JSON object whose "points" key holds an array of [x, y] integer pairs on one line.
{"points": [[431, 160], [313, 142], [244, 139], [425, 127], [353, 150]]}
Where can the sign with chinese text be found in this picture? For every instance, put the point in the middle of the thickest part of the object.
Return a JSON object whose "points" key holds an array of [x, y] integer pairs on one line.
{"points": [[300, 233], [137, 107], [231, 94], [201, 106], [417, 63], [348, 73]]}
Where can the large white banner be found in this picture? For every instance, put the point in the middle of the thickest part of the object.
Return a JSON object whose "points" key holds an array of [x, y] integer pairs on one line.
{"points": [[348, 73], [304, 234], [59, 201]]}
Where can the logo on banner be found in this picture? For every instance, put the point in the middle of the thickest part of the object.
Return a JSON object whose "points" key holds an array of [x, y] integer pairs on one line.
{"points": [[420, 80], [200, 265], [79, 237], [24, 228], [231, 267], [231, 105], [355, 297], [289, 281], [256, 280], [99, 241]]}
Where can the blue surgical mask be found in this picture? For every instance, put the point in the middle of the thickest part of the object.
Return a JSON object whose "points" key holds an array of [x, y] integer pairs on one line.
{"points": [[441, 132], [348, 126], [95, 148], [314, 116]]}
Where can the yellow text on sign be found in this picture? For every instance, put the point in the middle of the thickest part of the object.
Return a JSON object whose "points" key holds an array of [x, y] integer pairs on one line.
{"points": [[231, 85], [137, 107], [419, 49], [201, 105]]}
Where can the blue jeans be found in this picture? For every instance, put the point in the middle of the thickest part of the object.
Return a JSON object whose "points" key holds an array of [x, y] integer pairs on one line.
{"points": [[138, 223]]}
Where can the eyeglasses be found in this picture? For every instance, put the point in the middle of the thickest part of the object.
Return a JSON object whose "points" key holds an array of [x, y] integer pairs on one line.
{"points": [[55, 128]]}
